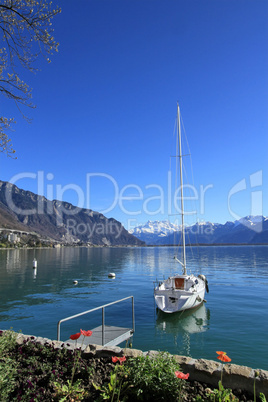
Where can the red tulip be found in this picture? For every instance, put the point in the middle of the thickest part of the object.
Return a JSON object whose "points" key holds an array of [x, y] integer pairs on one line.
{"points": [[182, 375], [75, 336], [86, 333]]}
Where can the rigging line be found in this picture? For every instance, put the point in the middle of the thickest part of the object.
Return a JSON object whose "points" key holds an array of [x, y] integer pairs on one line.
{"points": [[170, 167], [178, 244], [194, 213], [174, 134], [192, 174], [176, 170], [188, 146]]}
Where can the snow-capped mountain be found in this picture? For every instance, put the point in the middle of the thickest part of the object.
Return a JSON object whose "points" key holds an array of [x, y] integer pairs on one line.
{"points": [[251, 221], [247, 230], [162, 228]]}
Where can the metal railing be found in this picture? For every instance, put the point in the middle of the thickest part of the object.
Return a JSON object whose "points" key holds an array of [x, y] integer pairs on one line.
{"points": [[103, 316]]}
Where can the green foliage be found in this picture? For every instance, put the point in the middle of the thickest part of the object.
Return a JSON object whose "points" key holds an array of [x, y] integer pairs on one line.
{"points": [[144, 379], [221, 395], [117, 387], [36, 368], [8, 366], [262, 397], [7, 342], [69, 391], [153, 378], [8, 372], [198, 398]]}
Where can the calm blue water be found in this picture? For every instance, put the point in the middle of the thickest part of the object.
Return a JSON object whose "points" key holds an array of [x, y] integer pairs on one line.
{"points": [[234, 319]]}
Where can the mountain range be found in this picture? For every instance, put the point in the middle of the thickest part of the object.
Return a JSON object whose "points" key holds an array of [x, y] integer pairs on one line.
{"points": [[247, 230], [62, 222], [58, 221]]}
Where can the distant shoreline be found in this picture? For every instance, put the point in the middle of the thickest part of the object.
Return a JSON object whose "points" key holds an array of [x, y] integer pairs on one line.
{"points": [[208, 245], [132, 246]]}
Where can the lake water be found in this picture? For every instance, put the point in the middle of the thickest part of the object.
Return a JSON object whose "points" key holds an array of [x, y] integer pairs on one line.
{"points": [[234, 319]]}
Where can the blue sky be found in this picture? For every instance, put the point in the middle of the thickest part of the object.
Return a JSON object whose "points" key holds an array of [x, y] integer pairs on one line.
{"points": [[102, 132]]}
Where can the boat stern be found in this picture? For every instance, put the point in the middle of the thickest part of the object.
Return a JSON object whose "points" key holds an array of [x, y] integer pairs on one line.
{"points": [[170, 303], [160, 301]]}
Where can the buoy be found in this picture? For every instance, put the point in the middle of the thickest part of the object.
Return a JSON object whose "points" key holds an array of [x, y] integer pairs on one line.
{"points": [[75, 282], [111, 275], [34, 263]]}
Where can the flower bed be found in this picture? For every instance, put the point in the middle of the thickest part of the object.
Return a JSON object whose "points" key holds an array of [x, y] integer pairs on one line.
{"points": [[31, 371]]}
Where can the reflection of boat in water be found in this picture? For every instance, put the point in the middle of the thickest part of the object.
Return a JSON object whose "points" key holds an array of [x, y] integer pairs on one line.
{"points": [[185, 327], [190, 321]]}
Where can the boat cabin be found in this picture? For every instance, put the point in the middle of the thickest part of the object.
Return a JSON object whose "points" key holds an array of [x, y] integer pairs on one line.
{"points": [[179, 283], [182, 282]]}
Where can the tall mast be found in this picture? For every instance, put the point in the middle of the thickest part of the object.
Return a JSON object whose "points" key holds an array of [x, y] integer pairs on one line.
{"points": [[181, 183]]}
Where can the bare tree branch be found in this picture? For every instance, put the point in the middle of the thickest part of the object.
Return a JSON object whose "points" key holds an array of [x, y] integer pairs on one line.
{"points": [[27, 32]]}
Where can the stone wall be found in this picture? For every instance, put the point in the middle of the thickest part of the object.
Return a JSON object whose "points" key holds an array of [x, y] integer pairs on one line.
{"points": [[206, 371]]}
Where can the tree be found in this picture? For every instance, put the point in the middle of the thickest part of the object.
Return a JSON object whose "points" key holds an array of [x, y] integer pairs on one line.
{"points": [[27, 32]]}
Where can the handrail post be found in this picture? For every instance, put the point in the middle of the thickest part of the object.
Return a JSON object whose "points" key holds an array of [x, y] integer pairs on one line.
{"points": [[133, 315], [58, 331], [103, 333]]}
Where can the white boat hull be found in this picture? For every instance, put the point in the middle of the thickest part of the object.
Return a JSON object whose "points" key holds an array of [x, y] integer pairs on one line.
{"points": [[170, 299]]}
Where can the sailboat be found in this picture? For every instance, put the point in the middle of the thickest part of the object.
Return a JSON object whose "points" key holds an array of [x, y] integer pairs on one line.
{"points": [[180, 291]]}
